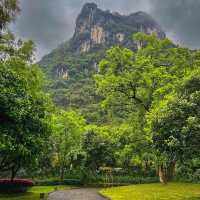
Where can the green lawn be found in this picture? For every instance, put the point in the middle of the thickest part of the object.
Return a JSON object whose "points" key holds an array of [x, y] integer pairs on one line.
{"points": [[171, 191], [33, 193]]}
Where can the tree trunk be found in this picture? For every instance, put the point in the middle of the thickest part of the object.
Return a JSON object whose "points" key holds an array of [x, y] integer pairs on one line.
{"points": [[145, 167], [162, 174], [14, 171], [62, 172], [166, 173]]}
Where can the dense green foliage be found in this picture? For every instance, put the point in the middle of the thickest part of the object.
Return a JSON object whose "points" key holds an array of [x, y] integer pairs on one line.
{"points": [[23, 115], [8, 10], [99, 148], [176, 129], [178, 123], [134, 115], [68, 129], [149, 84], [77, 89], [24, 107]]}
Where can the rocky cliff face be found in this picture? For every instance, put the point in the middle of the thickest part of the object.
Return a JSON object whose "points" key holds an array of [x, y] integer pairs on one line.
{"points": [[95, 28], [60, 71]]}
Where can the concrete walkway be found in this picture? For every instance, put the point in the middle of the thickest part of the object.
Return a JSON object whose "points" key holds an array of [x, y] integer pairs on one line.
{"points": [[76, 194]]}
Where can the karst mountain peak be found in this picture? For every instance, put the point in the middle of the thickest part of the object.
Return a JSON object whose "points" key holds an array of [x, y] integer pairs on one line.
{"points": [[95, 27]]}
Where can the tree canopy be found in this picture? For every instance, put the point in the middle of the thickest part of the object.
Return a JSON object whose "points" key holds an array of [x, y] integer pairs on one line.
{"points": [[8, 11], [24, 106], [150, 82]]}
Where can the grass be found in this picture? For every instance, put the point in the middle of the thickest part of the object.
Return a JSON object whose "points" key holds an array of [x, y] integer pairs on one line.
{"points": [[47, 189], [171, 191], [33, 193]]}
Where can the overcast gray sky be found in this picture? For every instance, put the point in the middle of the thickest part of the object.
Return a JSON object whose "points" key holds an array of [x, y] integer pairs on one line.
{"points": [[50, 22]]}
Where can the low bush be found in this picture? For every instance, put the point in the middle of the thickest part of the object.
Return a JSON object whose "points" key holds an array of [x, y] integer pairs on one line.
{"points": [[98, 180], [14, 186], [187, 174], [135, 180], [122, 181], [52, 182], [91, 178]]}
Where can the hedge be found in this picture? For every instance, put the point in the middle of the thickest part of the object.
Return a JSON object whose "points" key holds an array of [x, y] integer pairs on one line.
{"points": [[8, 186], [99, 181], [53, 182]]}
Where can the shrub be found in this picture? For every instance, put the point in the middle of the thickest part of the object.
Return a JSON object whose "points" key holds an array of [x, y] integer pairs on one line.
{"points": [[185, 173], [121, 181], [196, 176], [53, 182], [90, 178], [14, 186]]}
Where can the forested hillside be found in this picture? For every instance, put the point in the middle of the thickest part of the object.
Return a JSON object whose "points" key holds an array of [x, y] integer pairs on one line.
{"points": [[72, 65]]}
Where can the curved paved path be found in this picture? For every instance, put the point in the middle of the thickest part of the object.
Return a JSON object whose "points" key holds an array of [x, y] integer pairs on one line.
{"points": [[76, 194]]}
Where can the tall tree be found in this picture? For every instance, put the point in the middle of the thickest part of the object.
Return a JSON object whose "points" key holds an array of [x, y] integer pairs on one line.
{"points": [[68, 129], [8, 11], [24, 107], [23, 117], [138, 81], [131, 80], [99, 148], [175, 127]]}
